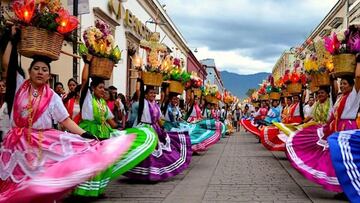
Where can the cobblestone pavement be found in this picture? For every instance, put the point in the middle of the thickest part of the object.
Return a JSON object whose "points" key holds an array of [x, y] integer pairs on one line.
{"points": [[237, 169]]}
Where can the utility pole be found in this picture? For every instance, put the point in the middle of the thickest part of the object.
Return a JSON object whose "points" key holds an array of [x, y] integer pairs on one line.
{"points": [[75, 45]]}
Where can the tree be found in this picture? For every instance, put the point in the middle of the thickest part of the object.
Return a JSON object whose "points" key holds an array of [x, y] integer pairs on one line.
{"points": [[250, 92]]}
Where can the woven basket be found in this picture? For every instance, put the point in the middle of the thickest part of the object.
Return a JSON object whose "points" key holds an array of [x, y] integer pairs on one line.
{"points": [[101, 68], [314, 80], [264, 97], [322, 79], [285, 94], [38, 41], [176, 87], [211, 99], [313, 87], [344, 64], [197, 92], [294, 88], [153, 79], [275, 95]]}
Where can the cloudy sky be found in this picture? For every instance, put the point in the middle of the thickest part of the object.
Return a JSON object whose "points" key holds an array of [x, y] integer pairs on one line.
{"points": [[246, 36]]}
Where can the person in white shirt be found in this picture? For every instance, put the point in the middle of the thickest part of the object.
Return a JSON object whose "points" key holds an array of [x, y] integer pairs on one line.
{"points": [[308, 108]]}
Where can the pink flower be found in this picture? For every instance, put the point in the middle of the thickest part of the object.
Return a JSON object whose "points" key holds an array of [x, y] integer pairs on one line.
{"points": [[332, 44]]}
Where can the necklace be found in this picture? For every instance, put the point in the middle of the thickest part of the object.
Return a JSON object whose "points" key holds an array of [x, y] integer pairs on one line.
{"points": [[35, 93]]}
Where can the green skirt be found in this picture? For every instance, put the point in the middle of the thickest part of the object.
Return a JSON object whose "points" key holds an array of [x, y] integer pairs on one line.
{"points": [[143, 145]]}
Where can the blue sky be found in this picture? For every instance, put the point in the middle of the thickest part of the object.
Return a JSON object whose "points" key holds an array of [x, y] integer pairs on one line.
{"points": [[246, 36]]}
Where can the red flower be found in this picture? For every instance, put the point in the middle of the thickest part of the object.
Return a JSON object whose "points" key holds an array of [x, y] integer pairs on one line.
{"points": [[24, 11], [295, 78], [67, 23]]}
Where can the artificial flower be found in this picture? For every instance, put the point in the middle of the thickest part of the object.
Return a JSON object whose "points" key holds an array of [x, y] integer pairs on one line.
{"points": [[24, 11], [67, 23]]}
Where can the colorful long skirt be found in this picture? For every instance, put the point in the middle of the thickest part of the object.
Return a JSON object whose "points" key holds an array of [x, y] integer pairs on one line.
{"points": [[203, 134], [142, 146], [308, 152], [250, 126], [171, 156], [270, 140], [44, 165], [345, 156]]}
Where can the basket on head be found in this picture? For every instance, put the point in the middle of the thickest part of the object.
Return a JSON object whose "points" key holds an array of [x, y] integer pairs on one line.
{"points": [[37, 41], [314, 80], [294, 88], [197, 92], [101, 68], [344, 64], [176, 87], [153, 79], [264, 97], [275, 95], [323, 79], [211, 99]]}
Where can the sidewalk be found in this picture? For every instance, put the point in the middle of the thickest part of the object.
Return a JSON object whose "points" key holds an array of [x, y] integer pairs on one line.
{"points": [[237, 169]]}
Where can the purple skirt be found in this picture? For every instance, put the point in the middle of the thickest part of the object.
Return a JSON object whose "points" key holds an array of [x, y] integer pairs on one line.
{"points": [[171, 157]]}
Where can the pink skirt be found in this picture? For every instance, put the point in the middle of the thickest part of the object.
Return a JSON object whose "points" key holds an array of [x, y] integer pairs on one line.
{"points": [[47, 164], [308, 152]]}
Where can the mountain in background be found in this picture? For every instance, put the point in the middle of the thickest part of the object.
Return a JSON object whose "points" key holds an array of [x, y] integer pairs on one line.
{"points": [[239, 84]]}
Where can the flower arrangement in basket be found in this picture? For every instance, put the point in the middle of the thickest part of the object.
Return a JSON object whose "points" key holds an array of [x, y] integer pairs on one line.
{"points": [[44, 24], [228, 98], [262, 91], [212, 94], [319, 74], [195, 84], [178, 77], [294, 81], [99, 43], [273, 90], [343, 46], [155, 67]]}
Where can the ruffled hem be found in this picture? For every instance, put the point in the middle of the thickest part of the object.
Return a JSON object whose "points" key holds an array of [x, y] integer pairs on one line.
{"points": [[60, 162], [168, 163], [345, 156], [308, 152]]}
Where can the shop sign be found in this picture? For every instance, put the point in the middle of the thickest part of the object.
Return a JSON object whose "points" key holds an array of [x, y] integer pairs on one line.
{"points": [[132, 22]]}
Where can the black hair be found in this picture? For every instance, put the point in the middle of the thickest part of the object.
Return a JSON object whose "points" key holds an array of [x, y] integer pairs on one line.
{"points": [[43, 59], [112, 88], [135, 97], [123, 101], [95, 81], [11, 73], [72, 80], [325, 88], [72, 94], [349, 79], [167, 102], [58, 83]]}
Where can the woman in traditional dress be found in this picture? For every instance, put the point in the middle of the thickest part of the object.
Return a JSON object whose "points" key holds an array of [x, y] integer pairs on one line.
{"points": [[4, 115], [296, 113], [72, 104], [319, 115], [344, 145], [203, 132], [98, 120], [308, 149], [72, 84], [173, 152], [40, 164], [194, 113]]}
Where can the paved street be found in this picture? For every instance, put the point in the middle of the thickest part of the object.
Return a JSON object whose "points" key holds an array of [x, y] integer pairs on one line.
{"points": [[238, 169]]}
